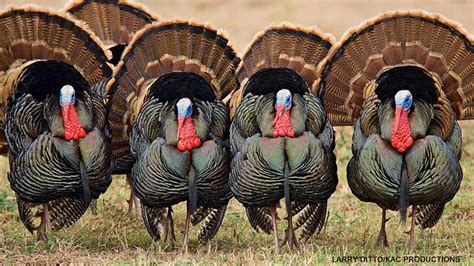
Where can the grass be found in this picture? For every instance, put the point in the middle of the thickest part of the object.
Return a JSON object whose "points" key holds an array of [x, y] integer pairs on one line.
{"points": [[351, 230]]}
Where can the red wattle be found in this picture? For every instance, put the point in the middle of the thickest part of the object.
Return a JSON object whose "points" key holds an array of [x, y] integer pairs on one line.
{"points": [[401, 133], [282, 123], [187, 137], [73, 128]]}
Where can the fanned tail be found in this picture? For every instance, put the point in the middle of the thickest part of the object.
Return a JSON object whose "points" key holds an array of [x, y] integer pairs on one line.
{"points": [[284, 46], [113, 21], [196, 52], [31, 33], [437, 45]]}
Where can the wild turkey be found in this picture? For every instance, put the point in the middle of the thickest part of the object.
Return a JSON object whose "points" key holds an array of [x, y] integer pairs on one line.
{"points": [[54, 119], [404, 78], [114, 22], [281, 140], [167, 93]]}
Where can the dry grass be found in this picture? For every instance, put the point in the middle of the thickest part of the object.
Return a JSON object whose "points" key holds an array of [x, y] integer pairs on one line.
{"points": [[114, 236]]}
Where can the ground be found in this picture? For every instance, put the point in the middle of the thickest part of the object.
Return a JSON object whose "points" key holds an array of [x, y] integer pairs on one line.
{"points": [[352, 226]]}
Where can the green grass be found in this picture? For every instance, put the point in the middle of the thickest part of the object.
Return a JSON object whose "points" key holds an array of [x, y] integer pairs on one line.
{"points": [[351, 230]]}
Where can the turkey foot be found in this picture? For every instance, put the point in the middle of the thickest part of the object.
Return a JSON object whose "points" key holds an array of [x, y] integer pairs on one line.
{"points": [[411, 241], [273, 213], [382, 238], [44, 226], [169, 228], [133, 200], [290, 237]]}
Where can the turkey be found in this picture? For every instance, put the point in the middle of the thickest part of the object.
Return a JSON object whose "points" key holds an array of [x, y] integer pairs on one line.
{"points": [[114, 22], [53, 118], [281, 141], [403, 78], [167, 93]]}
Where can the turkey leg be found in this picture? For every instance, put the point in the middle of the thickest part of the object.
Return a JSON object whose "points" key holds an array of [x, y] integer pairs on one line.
{"points": [[411, 241], [133, 200], [382, 238], [169, 230], [274, 225], [45, 224], [184, 249], [290, 236], [191, 206]]}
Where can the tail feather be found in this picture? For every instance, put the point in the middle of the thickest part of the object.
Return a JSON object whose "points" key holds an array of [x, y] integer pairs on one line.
{"points": [[312, 220], [34, 33], [294, 47], [297, 207], [26, 214], [154, 218], [64, 212], [428, 215], [114, 21], [200, 214], [259, 218], [211, 224]]}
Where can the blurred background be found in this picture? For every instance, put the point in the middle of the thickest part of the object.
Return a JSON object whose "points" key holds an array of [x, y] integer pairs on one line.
{"points": [[243, 18]]}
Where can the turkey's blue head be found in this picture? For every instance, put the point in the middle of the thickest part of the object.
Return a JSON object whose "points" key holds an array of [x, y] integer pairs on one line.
{"points": [[403, 99], [185, 108], [283, 99], [67, 95], [187, 137], [73, 128], [401, 132], [282, 123]]}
